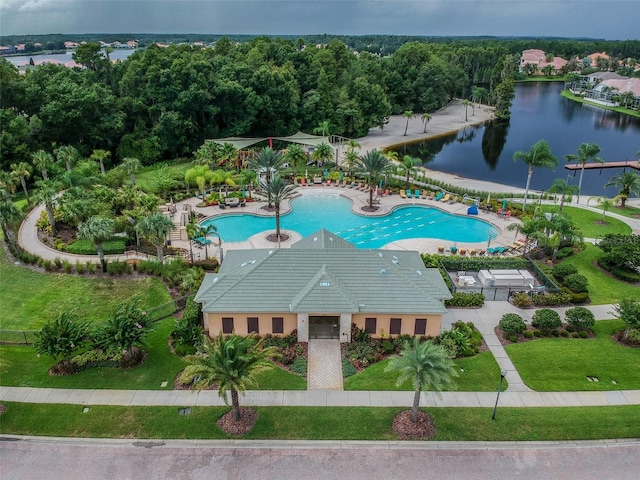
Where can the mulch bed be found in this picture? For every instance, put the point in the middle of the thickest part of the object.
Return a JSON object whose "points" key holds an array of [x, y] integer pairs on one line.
{"points": [[367, 208], [238, 428], [423, 429], [274, 238]]}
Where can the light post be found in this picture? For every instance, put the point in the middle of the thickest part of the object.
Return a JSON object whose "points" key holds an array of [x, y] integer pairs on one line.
{"points": [[503, 373]]}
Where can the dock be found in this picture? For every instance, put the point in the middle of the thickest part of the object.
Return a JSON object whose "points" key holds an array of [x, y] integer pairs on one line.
{"points": [[635, 164]]}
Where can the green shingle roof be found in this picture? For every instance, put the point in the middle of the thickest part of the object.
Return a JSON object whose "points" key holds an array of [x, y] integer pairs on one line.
{"points": [[323, 276]]}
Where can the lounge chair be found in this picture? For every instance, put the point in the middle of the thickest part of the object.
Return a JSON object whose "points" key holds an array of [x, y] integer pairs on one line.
{"points": [[481, 253], [453, 200], [463, 251], [424, 194], [303, 182], [352, 185], [417, 194], [453, 250], [438, 197], [403, 194], [445, 198], [440, 249], [409, 193], [472, 252]]}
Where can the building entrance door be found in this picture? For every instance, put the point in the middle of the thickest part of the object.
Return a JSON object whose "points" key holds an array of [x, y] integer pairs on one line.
{"points": [[324, 327]]}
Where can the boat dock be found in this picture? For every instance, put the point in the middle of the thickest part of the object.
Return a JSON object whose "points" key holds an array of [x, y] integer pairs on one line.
{"points": [[592, 166]]}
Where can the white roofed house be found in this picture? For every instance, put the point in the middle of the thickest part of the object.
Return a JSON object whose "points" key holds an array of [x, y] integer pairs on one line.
{"points": [[319, 287]]}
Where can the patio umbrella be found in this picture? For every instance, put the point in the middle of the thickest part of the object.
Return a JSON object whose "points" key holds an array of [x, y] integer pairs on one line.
{"points": [[242, 191], [341, 175], [380, 186], [504, 204], [326, 174]]}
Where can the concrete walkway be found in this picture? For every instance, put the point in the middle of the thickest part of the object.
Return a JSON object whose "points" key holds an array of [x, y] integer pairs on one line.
{"points": [[324, 369]]}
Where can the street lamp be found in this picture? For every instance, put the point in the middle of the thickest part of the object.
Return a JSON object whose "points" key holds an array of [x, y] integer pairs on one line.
{"points": [[503, 374]]}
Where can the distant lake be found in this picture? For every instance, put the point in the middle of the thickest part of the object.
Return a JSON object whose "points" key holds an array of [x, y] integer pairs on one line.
{"points": [[538, 112], [22, 60]]}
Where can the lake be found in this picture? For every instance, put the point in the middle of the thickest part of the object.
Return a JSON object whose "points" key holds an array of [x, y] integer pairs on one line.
{"points": [[538, 112]]}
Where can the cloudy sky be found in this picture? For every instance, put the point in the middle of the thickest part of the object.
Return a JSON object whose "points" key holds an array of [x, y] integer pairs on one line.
{"points": [[611, 19]]}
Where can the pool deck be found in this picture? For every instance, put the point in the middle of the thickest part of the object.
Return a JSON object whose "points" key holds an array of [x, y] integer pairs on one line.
{"points": [[359, 199]]}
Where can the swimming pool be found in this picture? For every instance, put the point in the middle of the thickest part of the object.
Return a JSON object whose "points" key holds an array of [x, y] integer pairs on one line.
{"points": [[309, 213]]}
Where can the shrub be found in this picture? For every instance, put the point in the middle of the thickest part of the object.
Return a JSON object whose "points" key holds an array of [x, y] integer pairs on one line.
{"points": [[119, 268], [583, 334], [563, 270], [465, 299], [512, 339], [92, 267], [575, 335], [388, 347], [299, 366], [86, 247], [570, 328], [564, 333], [521, 300], [551, 299], [358, 334], [555, 333], [546, 319], [577, 298], [362, 353], [528, 334], [576, 283], [537, 333], [125, 328], [347, 368], [48, 265], [66, 266], [183, 349], [62, 336], [80, 267], [512, 323], [579, 317]]}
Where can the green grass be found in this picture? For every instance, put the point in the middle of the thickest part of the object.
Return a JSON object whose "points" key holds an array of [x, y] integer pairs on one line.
{"points": [[623, 110], [603, 289], [631, 212], [317, 423], [146, 179], [29, 298], [589, 222], [279, 379], [568, 361], [479, 374]]}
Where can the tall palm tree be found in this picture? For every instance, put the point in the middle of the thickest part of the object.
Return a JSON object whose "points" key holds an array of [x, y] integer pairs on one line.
{"points": [[322, 153], [231, 362], [296, 156], [10, 218], [373, 165], [155, 228], [278, 191], [628, 184], [354, 145], [408, 114], [587, 152], [228, 153], [40, 160], [566, 191], [7, 184], [424, 364], [46, 193], [539, 155], [22, 171], [100, 156], [67, 155], [561, 231], [192, 232], [322, 129], [131, 165], [203, 232], [408, 166], [426, 118], [466, 104], [267, 162], [97, 229], [351, 160]]}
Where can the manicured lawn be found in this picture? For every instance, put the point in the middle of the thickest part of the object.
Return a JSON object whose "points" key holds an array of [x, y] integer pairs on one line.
{"points": [[603, 288], [589, 222], [632, 212], [317, 423], [29, 298], [476, 374], [568, 361], [146, 179]]}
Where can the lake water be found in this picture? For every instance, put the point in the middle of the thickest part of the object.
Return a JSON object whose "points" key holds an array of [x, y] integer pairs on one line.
{"points": [[22, 60], [538, 112]]}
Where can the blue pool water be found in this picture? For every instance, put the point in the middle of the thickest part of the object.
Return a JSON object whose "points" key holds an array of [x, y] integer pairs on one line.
{"points": [[309, 213]]}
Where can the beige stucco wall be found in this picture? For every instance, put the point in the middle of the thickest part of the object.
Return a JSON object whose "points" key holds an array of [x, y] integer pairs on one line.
{"points": [[213, 322], [383, 322]]}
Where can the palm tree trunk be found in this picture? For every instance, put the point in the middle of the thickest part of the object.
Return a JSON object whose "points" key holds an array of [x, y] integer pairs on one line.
{"points": [[580, 184], [100, 250], [24, 187], [52, 220], [278, 223], [159, 252], [45, 175], [235, 404], [370, 196], [133, 178], [526, 189], [415, 406], [102, 167], [406, 127]]}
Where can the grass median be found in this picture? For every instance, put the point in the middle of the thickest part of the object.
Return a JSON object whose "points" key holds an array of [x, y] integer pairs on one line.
{"points": [[322, 423]]}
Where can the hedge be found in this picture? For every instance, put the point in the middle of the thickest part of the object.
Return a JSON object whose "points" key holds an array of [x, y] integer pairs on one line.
{"points": [[86, 247]]}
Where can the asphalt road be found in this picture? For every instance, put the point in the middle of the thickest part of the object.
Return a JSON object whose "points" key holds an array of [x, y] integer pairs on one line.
{"points": [[35, 458]]}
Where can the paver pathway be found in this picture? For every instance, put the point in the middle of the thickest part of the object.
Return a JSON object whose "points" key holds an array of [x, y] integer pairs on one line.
{"points": [[324, 370]]}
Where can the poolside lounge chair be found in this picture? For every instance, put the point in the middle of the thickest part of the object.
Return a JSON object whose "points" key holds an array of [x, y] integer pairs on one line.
{"points": [[403, 194], [453, 200], [352, 184], [445, 198], [481, 253], [424, 194], [472, 252], [386, 193], [417, 194], [409, 193], [438, 197], [440, 249], [463, 251], [453, 249]]}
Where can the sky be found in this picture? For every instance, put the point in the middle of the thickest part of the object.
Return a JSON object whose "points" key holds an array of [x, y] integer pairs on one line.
{"points": [[610, 19]]}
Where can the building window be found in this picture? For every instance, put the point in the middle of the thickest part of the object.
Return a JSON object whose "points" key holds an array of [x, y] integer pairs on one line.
{"points": [[421, 326], [277, 325], [370, 325], [395, 326], [252, 325], [227, 325]]}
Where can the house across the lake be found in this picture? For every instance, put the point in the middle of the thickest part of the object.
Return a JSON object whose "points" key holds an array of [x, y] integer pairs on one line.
{"points": [[319, 287]]}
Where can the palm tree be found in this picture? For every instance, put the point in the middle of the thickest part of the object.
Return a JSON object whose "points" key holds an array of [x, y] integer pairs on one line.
{"points": [[408, 166], [7, 184], [10, 218], [351, 160], [538, 156], [466, 104], [628, 184], [268, 162], [46, 193], [192, 232], [409, 115], [100, 156], [562, 188], [40, 160], [203, 232], [561, 231], [222, 177], [227, 153], [322, 129], [278, 191], [68, 155], [424, 364], [354, 145], [322, 153], [155, 228], [587, 152], [296, 157], [131, 165], [200, 175], [373, 165], [231, 362], [22, 171], [98, 230], [605, 204], [426, 118]]}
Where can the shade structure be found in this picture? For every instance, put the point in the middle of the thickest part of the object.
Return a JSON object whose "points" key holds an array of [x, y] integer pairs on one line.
{"points": [[300, 137]]}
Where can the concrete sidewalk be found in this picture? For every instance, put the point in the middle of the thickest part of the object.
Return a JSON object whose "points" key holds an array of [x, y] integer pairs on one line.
{"points": [[317, 398]]}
